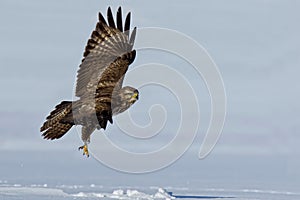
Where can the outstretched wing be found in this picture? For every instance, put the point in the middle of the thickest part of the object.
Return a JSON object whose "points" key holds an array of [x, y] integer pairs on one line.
{"points": [[107, 56]]}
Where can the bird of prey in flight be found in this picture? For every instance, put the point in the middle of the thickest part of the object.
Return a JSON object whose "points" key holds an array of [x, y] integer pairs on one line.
{"points": [[106, 59]]}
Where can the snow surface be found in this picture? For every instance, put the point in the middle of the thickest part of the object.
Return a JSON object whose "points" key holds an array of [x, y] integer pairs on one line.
{"points": [[17, 191], [21, 192], [218, 177]]}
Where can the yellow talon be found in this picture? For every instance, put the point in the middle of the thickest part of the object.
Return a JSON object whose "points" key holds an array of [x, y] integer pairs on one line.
{"points": [[85, 150]]}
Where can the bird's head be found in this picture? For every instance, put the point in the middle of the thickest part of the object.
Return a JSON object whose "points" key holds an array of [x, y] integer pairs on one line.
{"points": [[129, 94], [123, 99]]}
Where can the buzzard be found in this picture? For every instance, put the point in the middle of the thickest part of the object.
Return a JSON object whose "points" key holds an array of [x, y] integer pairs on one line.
{"points": [[106, 58]]}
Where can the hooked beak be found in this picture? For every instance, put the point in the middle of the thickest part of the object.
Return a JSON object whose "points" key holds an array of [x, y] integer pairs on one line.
{"points": [[134, 97]]}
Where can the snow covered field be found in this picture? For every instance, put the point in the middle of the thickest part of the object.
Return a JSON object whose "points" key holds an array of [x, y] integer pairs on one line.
{"points": [[36, 192], [70, 176]]}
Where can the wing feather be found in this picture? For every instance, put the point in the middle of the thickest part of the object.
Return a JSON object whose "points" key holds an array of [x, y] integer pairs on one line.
{"points": [[106, 45], [101, 18], [127, 24], [119, 19], [110, 18], [132, 37], [111, 79]]}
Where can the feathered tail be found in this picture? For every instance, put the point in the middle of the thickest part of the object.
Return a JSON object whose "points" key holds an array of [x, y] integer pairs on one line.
{"points": [[53, 126]]}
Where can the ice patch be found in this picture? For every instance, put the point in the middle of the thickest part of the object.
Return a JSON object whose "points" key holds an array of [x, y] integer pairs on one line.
{"points": [[128, 195], [80, 194], [135, 193], [163, 194], [88, 195], [118, 192], [20, 191]]}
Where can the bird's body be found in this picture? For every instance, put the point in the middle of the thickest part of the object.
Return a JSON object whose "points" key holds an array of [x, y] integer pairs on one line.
{"points": [[99, 82]]}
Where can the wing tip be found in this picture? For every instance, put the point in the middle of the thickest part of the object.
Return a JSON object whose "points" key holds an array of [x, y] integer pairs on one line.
{"points": [[110, 18], [101, 18], [119, 19]]}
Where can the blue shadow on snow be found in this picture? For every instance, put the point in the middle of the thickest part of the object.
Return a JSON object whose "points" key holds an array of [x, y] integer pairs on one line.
{"points": [[197, 196]]}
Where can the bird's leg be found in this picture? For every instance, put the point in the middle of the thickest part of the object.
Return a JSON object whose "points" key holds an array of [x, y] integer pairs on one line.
{"points": [[86, 132], [84, 149]]}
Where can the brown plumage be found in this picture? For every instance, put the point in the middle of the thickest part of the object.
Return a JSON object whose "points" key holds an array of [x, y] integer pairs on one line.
{"points": [[106, 58]]}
